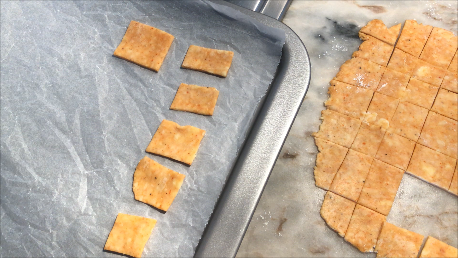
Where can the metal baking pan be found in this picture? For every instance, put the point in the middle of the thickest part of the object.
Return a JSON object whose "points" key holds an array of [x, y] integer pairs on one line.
{"points": [[236, 205]]}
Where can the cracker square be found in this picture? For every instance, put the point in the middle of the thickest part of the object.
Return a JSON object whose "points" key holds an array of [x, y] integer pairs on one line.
{"points": [[348, 99], [376, 28], [176, 142], [195, 99], [397, 242], [212, 61], [395, 150], [408, 120], [453, 67], [336, 211], [393, 83], [434, 248], [328, 161], [440, 48], [450, 82], [446, 104], [440, 133], [364, 228], [420, 93], [349, 180], [368, 139], [454, 184], [144, 45], [374, 50], [432, 166], [429, 73], [155, 184], [360, 72], [338, 128], [413, 37], [129, 234], [380, 187], [402, 62], [384, 106]]}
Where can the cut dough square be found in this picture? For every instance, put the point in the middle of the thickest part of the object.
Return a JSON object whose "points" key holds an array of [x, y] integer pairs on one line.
{"points": [[429, 73], [420, 93], [348, 99], [376, 28], [413, 37], [338, 128], [434, 248], [129, 234], [328, 161], [155, 184], [402, 62], [364, 228], [336, 211], [408, 120], [432, 166], [393, 83], [212, 61], [144, 45], [349, 180], [374, 50], [176, 142], [395, 150], [446, 104], [440, 48], [368, 139], [454, 184], [384, 106], [440, 133], [453, 68], [397, 242], [360, 72], [195, 99], [450, 82], [380, 187]]}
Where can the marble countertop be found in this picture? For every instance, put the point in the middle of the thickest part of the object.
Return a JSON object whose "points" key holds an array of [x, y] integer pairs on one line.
{"points": [[287, 220]]}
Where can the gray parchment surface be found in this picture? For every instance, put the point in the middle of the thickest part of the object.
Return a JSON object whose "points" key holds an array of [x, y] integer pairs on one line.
{"points": [[75, 120]]}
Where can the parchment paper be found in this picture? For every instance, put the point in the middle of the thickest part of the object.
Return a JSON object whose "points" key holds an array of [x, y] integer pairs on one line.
{"points": [[75, 120]]}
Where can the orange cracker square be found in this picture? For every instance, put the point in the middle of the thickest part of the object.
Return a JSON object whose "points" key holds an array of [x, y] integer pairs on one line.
{"points": [[176, 142], [397, 242], [440, 133], [413, 37], [393, 83], [336, 211], [360, 72], [349, 180], [338, 128], [450, 82], [129, 234], [429, 73], [380, 187], [368, 139], [144, 45], [453, 67], [376, 28], [348, 99], [195, 99], [374, 50], [212, 61], [454, 184], [155, 184], [395, 150], [402, 62], [446, 104], [328, 161], [384, 106], [440, 48], [434, 248], [432, 166], [364, 228], [408, 120], [420, 93]]}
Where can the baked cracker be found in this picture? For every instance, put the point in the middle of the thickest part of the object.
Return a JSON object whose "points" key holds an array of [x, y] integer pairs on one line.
{"points": [[338, 128], [368, 139], [374, 50], [393, 83], [413, 37], [446, 104], [453, 67], [450, 82], [440, 48], [434, 248], [212, 61], [395, 150], [195, 99], [336, 211], [403, 62], [129, 234], [429, 73], [454, 184], [408, 120], [397, 242], [440, 133], [376, 28], [360, 72], [348, 99], [384, 106], [328, 161], [420, 93]]}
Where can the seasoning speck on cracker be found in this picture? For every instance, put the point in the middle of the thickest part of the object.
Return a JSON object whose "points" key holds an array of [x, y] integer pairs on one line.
{"points": [[213, 61]]}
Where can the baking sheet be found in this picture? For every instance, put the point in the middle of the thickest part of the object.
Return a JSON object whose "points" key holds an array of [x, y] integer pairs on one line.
{"points": [[75, 120]]}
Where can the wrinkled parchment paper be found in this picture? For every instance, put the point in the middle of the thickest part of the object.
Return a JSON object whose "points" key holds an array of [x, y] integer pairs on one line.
{"points": [[75, 120]]}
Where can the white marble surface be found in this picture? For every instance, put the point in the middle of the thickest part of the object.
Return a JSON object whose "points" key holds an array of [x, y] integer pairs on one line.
{"points": [[287, 222]]}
